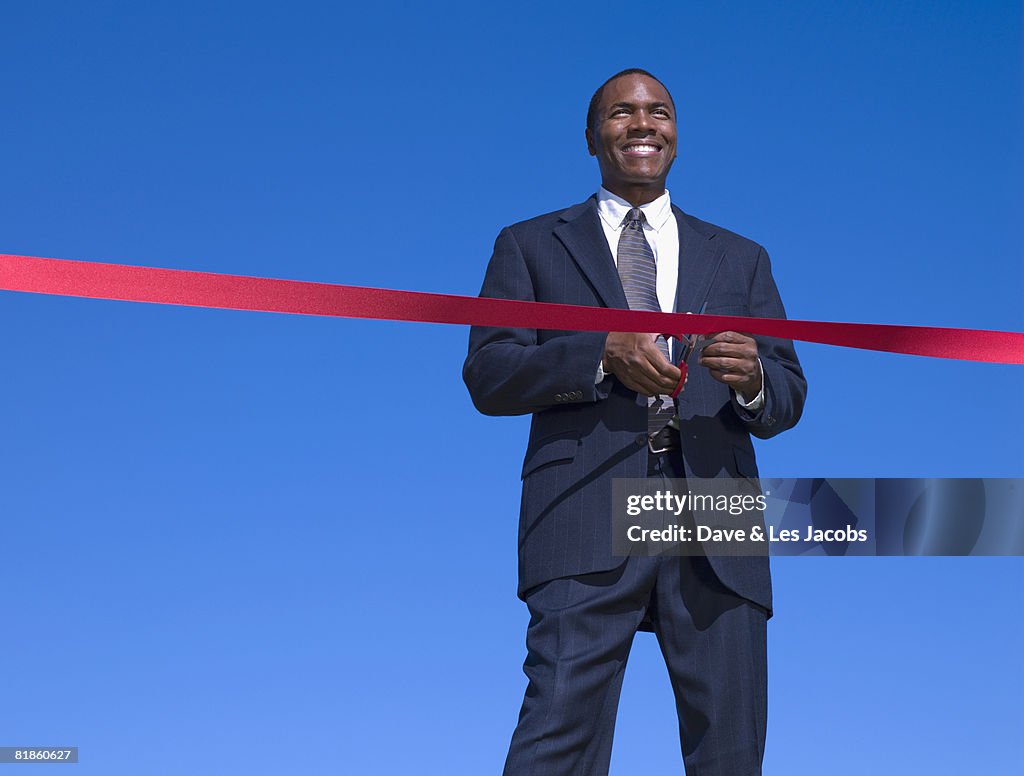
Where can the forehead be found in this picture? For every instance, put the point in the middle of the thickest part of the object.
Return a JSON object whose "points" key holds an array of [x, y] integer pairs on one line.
{"points": [[634, 88]]}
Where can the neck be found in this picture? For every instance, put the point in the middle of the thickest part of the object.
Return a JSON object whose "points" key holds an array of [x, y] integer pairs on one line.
{"points": [[636, 195]]}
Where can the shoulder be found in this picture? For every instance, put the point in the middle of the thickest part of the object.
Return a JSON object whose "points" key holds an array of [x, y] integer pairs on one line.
{"points": [[732, 241], [548, 222]]}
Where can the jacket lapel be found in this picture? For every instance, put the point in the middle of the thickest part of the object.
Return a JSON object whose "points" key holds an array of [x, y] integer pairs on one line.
{"points": [[583, 237], [698, 264], [699, 260]]}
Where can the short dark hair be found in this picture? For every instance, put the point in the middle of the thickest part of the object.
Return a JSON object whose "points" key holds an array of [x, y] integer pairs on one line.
{"points": [[596, 99]]}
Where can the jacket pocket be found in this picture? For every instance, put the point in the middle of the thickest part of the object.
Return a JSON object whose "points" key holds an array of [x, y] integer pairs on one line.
{"points": [[727, 309], [552, 449]]}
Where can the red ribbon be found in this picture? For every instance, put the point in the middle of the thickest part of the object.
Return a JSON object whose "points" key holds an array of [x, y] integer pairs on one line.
{"points": [[94, 280]]}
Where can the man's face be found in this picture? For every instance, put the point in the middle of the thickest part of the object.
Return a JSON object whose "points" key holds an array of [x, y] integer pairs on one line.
{"points": [[634, 136]]}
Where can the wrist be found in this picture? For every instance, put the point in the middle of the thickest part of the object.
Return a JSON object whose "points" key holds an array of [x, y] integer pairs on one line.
{"points": [[752, 392]]}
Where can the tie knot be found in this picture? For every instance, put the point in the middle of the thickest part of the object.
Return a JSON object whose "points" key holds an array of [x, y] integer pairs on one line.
{"points": [[634, 219]]}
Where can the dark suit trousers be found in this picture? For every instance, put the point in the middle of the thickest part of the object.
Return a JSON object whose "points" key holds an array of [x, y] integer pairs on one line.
{"points": [[578, 641]]}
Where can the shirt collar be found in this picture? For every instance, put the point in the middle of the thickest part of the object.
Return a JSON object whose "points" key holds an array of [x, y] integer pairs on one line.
{"points": [[613, 209]]}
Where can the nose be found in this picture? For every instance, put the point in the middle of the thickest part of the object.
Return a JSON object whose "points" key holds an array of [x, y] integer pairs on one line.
{"points": [[642, 122]]}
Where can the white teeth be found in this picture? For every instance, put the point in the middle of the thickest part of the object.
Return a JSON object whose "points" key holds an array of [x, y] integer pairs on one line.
{"points": [[642, 148]]}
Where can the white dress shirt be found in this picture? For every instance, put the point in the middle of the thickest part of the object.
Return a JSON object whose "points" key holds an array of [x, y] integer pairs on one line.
{"points": [[662, 233]]}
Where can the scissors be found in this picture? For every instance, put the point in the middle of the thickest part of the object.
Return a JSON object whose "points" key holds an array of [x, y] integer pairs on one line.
{"points": [[690, 344]]}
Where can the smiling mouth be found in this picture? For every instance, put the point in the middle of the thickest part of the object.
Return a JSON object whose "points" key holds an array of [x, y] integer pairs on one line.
{"points": [[641, 149]]}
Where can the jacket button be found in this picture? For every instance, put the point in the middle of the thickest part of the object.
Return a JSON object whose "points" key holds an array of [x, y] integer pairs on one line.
{"points": [[559, 397], [771, 420], [577, 395], [641, 440]]}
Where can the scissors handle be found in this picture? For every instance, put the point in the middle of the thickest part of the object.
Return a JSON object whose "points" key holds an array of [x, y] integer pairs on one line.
{"points": [[691, 341], [683, 369]]}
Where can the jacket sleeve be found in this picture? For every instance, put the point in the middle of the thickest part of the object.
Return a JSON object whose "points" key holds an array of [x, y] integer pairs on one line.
{"points": [[516, 371], [784, 385]]}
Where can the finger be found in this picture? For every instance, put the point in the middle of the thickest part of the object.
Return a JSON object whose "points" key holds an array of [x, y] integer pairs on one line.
{"points": [[667, 370], [659, 383], [735, 365], [646, 376], [733, 337], [729, 378], [661, 367], [647, 380], [642, 386], [731, 350]]}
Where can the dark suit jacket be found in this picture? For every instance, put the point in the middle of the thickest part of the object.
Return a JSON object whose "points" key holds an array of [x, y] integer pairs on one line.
{"points": [[583, 435]]}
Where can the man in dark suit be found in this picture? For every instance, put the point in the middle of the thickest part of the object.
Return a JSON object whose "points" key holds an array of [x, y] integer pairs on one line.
{"points": [[602, 409]]}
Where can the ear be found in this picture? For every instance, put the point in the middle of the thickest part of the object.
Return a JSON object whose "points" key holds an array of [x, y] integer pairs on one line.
{"points": [[590, 142]]}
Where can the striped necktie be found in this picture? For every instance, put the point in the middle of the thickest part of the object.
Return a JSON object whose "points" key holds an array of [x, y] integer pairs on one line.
{"points": [[639, 275]]}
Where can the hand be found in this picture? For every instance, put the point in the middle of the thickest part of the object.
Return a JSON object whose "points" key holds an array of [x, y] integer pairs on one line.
{"points": [[639, 364], [731, 358]]}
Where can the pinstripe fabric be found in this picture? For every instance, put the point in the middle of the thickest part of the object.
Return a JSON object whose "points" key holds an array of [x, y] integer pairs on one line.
{"points": [[582, 434], [638, 272], [579, 638], [585, 602]]}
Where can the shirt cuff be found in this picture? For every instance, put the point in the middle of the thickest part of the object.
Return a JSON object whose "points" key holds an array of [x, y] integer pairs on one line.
{"points": [[600, 373], [755, 404]]}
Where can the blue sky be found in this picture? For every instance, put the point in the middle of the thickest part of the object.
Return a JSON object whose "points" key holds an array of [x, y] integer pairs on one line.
{"points": [[226, 552]]}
